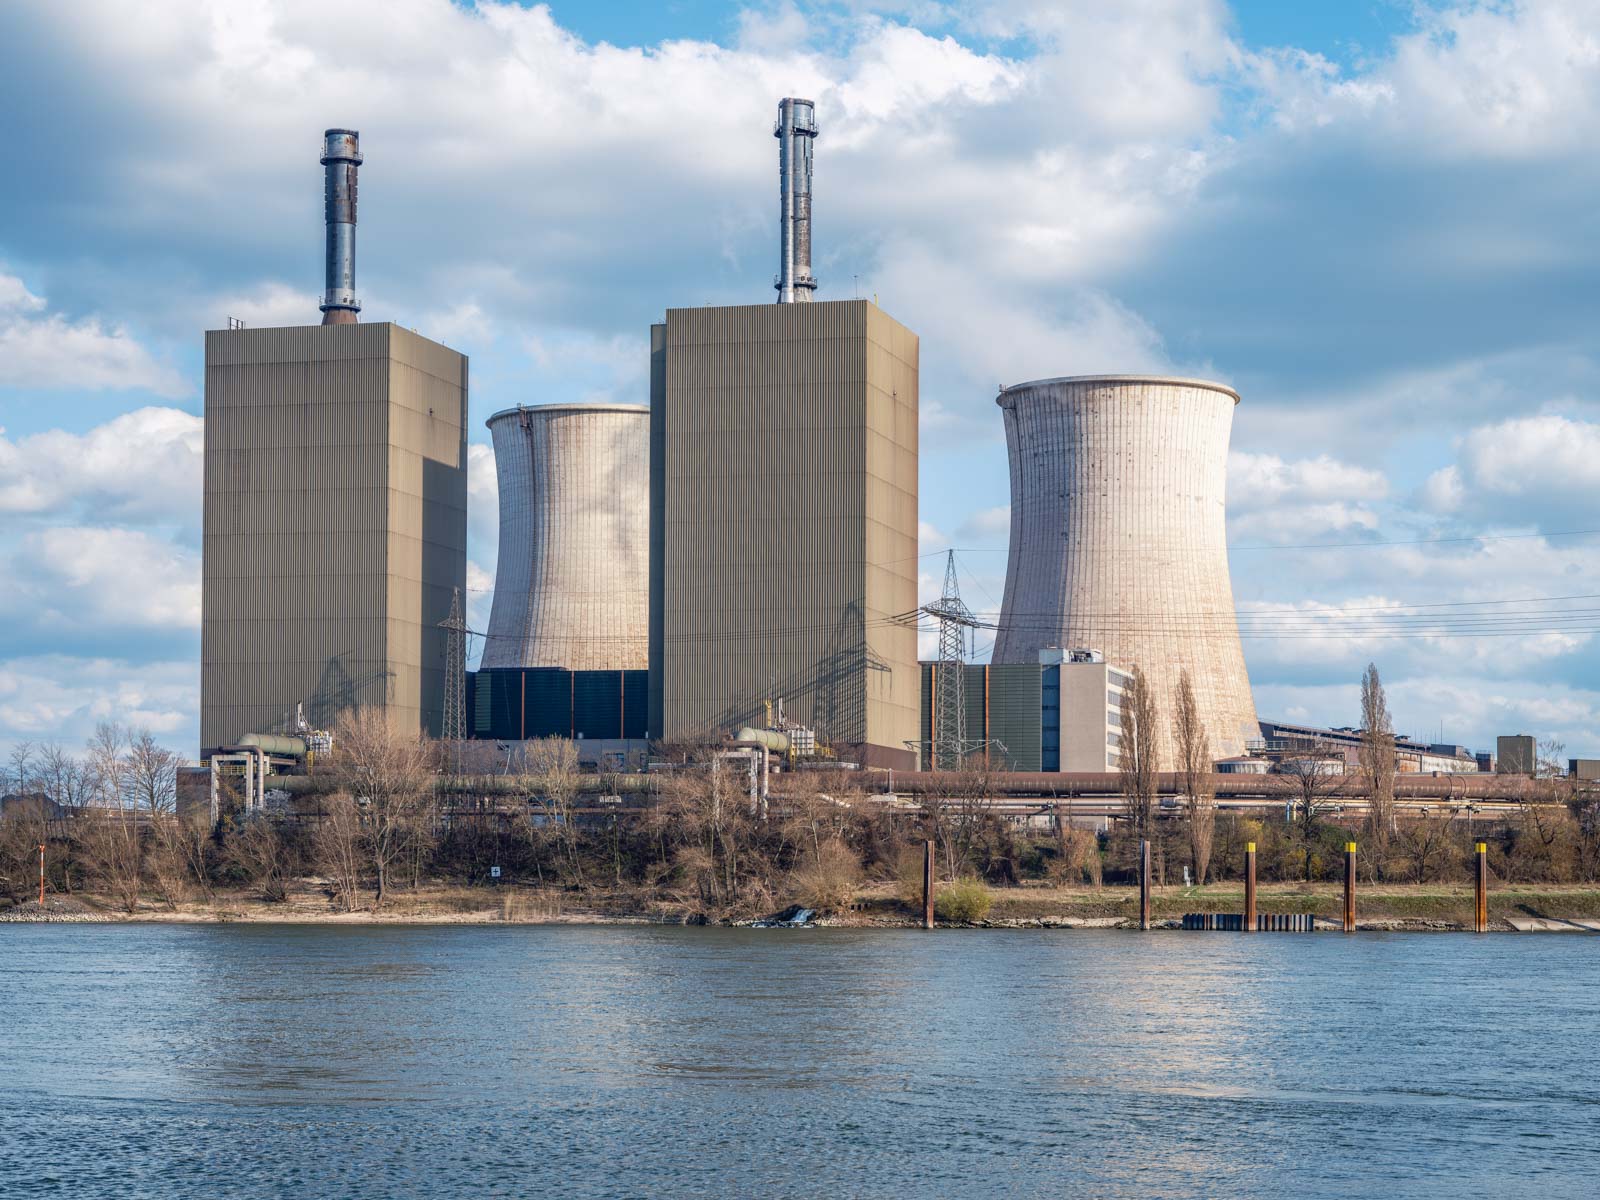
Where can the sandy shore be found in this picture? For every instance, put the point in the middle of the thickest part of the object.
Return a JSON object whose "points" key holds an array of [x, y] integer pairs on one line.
{"points": [[1426, 907]]}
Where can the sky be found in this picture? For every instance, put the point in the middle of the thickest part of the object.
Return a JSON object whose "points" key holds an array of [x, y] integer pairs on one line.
{"points": [[1375, 219]]}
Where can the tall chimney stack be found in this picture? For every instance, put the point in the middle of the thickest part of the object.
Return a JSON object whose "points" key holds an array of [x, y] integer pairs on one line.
{"points": [[341, 155], [797, 127]]}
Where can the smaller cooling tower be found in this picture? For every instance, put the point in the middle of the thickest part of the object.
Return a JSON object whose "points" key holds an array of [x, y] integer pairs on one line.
{"points": [[572, 585], [1119, 538]]}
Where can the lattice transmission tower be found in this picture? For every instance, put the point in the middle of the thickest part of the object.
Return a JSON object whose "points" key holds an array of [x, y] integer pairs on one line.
{"points": [[950, 743], [454, 728]]}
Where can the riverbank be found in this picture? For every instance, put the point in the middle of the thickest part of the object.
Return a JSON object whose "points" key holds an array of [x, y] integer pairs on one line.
{"points": [[1419, 907]]}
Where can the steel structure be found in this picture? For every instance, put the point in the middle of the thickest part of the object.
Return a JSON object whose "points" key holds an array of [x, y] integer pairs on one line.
{"points": [[341, 156], [454, 725], [572, 582], [1118, 539], [950, 746], [796, 130]]}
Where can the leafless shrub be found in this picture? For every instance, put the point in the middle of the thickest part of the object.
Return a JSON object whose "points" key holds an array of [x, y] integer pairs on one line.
{"points": [[1196, 767], [1140, 756]]}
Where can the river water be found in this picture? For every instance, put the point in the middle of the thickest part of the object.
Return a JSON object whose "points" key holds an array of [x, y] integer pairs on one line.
{"points": [[319, 1061]]}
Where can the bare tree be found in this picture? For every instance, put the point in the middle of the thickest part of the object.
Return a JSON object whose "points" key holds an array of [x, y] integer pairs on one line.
{"points": [[390, 776], [24, 827], [1377, 763], [554, 760], [152, 774], [109, 843], [21, 776], [1317, 772], [256, 850], [62, 777], [108, 766], [341, 849], [1139, 761], [1196, 767]]}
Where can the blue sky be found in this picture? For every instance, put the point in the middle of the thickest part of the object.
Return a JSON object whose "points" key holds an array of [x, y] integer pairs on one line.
{"points": [[1373, 218]]}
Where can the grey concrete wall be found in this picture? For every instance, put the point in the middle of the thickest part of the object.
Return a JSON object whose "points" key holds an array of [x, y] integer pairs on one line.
{"points": [[334, 527], [572, 580], [1118, 538], [784, 521]]}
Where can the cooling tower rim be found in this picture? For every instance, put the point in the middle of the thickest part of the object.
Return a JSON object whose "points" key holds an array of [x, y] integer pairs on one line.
{"points": [[575, 406], [1179, 380]]}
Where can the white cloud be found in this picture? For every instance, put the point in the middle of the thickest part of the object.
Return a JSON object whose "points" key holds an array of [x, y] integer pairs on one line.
{"points": [[141, 466], [1443, 492], [39, 349], [1274, 499], [1531, 455], [60, 698], [483, 504], [71, 580], [270, 304], [987, 526], [1542, 469], [1475, 80]]}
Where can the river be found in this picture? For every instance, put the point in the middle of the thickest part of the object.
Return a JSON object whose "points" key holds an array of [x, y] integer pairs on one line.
{"points": [[318, 1061]]}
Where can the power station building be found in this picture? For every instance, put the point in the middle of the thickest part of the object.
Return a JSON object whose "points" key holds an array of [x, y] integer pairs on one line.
{"points": [[783, 523], [335, 525], [783, 505], [1119, 541], [1063, 713]]}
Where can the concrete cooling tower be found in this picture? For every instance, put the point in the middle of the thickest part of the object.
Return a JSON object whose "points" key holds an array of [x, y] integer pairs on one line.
{"points": [[572, 585], [1118, 542]]}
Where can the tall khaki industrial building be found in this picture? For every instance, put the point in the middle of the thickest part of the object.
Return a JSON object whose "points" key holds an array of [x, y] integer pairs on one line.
{"points": [[783, 523], [1119, 538], [335, 525]]}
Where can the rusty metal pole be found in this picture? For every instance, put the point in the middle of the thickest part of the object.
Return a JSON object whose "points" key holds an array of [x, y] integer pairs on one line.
{"points": [[41, 874], [1349, 887], [1249, 887], [1481, 909], [927, 884], [1144, 885]]}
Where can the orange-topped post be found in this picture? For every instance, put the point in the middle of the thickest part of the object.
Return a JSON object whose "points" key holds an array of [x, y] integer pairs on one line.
{"points": [[1481, 908]]}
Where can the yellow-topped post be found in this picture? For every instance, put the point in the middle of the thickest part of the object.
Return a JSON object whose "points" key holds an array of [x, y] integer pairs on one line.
{"points": [[1250, 887], [1349, 887], [1481, 908]]}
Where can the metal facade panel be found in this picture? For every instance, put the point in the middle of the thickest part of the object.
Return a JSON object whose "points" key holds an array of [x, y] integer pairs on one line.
{"points": [[782, 543], [572, 584], [1118, 541], [335, 524], [1014, 711]]}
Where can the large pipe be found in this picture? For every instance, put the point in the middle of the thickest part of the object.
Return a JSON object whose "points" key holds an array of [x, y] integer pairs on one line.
{"points": [[796, 129], [341, 155]]}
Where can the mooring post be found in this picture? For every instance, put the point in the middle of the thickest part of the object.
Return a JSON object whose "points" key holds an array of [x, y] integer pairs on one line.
{"points": [[1249, 887], [1481, 909], [927, 884], [1144, 885], [1349, 887]]}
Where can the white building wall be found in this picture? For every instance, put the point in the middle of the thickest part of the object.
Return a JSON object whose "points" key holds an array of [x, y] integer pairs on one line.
{"points": [[1118, 538], [572, 582]]}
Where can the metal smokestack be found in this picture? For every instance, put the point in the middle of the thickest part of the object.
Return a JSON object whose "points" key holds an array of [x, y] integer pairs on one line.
{"points": [[797, 127], [341, 155]]}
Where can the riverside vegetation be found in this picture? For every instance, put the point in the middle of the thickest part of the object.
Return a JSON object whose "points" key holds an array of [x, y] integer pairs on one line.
{"points": [[377, 840]]}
